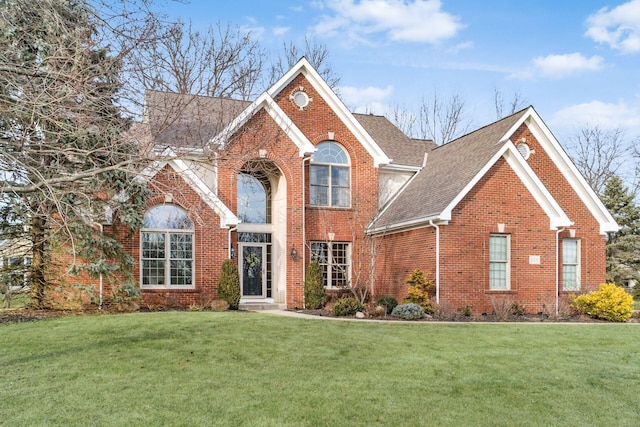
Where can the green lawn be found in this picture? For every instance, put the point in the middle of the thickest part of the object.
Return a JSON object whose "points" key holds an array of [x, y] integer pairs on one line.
{"points": [[205, 368]]}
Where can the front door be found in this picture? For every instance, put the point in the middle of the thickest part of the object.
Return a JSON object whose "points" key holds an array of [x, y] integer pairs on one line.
{"points": [[252, 270]]}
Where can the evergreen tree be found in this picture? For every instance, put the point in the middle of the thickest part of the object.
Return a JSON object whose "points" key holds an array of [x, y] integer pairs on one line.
{"points": [[623, 246], [229, 284], [314, 287], [63, 155]]}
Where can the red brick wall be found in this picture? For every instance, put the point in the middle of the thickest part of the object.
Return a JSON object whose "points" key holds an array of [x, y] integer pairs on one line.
{"points": [[498, 198], [210, 242], [587, 229]]}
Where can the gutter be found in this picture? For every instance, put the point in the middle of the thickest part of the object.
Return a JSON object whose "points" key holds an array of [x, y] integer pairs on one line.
{"points": [[558, 231], [437, 227]]}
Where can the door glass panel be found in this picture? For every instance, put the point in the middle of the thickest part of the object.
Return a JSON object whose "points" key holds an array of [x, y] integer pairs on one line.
{"points": [[252, 271]]}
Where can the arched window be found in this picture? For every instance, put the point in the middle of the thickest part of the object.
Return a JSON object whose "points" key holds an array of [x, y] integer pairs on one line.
{"points": [[329, 176], [166, 248], [254, 198]]}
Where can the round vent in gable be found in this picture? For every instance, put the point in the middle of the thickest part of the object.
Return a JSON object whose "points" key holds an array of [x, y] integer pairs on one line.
{"points": [[301, 99], [524, 150]]}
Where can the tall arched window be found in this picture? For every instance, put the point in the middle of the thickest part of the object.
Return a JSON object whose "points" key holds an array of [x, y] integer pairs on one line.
{"points": [[254, 198], [166, 248], [329, 176]]}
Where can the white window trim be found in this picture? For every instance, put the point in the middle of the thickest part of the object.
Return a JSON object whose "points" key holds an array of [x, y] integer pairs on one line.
{"points": [[167, 259], [507, 263], [329, 281], [330, 185], [578, 264]]}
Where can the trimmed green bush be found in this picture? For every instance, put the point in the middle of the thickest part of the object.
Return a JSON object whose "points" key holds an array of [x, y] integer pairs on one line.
{"points": [[610, 302], [314, 287], [410, 311], [389, 303], [229, 284], [347, 307]]}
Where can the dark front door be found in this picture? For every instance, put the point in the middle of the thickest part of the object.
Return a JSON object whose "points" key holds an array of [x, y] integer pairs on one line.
{"points": [[252, 270]]}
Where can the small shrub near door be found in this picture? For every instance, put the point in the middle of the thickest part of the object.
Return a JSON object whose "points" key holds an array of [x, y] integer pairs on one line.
{"points": [[610, 302], [229, 284], [314, 287], [347, 307]]}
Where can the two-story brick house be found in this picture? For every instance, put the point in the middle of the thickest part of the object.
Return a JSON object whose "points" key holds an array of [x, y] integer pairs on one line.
{"points": [[295, 176]]}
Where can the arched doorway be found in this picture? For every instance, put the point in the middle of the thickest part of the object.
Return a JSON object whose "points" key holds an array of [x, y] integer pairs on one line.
{"points": [[261, 208]]}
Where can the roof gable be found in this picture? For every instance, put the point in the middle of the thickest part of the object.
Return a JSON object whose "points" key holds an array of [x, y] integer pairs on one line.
{"points": [[267, 103], [304, 67], [227, 218], [568, 169]]}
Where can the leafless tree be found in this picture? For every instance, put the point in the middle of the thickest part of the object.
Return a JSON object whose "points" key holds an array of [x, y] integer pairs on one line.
{"points": [[222, 61], [598, 153], [505, 109], [316, 53]]}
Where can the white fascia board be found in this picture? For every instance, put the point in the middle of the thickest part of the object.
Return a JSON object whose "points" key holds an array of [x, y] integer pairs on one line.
{"points": [[552, 209], [273, 109], [400, 168], [227, 218], [304, 67], [569, 170], [413, 224]]}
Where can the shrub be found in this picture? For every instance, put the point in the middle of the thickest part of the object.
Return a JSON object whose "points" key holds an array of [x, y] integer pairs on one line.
{"points": [[610, 302], [314, 287], [229, 284], [347, 307], [125, 297], [219, 305], [418, 291], [410, 311], [389, 303]]}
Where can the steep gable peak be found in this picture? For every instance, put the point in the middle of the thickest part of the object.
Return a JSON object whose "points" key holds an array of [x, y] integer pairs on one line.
{"points": [[304, 67]]}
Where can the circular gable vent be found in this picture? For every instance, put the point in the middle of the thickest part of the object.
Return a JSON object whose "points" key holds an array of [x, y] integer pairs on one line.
{"points": [[524, 150], [301, 99]]}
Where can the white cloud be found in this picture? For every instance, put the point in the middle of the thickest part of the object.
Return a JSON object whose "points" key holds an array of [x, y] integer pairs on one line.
{"points": [[618, 27], [602, 114], [366, 100], [559, 66], [420, 21], [280, 31]]}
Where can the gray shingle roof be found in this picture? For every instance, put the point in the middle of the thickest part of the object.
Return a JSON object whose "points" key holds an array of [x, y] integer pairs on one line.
{"points": [[395, 144], [449, 169], [180, 120]]}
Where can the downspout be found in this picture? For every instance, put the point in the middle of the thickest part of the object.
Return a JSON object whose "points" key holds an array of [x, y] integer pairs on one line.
{"points": [[229, 247], [101, 258], [437, 227], [304, 219], [558, 231]]}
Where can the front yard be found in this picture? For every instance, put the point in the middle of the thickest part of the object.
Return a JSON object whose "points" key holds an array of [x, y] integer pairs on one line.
{"points": [[233, 368]]}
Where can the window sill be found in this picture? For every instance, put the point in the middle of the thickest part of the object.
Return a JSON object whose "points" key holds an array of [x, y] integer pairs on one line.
{"points": [[500, 291], [166, 289]]}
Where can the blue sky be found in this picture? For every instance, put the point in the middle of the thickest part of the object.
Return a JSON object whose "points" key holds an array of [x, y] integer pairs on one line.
{"points": [[576, 62]]}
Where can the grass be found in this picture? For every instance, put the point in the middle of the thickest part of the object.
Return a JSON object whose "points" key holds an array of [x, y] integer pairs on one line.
{"points": [[204, 368]]}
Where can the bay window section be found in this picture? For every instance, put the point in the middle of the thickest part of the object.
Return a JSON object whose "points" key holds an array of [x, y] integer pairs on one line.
{"points": [[335, 261], [167, 242]]}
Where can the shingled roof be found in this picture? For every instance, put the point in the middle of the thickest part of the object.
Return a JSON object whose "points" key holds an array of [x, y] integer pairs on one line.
{"points": [[448, 170], [395, 144], [179, 120]]}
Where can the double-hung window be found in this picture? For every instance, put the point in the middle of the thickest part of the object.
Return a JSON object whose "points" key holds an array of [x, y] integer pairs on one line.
{"points": [[335, 260], [167, 248], [499, 262], [329, 176], [570, 264]]}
